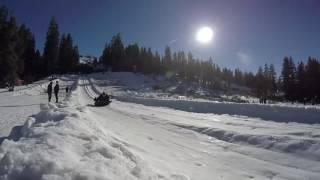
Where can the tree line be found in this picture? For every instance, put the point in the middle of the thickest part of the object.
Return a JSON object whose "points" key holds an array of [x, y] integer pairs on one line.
{"points": [[185, 67], [19, 58], [301, 83], [295, 84]]}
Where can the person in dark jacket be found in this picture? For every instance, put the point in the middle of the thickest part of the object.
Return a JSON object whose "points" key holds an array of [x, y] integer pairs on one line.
{"points": [[49, 91], [56, 91], [68, 91]]}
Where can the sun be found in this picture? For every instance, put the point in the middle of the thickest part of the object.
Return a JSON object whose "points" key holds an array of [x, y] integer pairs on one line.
{"points": [[204, 35]]}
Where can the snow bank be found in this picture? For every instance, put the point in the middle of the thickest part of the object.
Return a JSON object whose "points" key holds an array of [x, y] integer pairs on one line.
{"points": [[31, 90], [308, 148], [265, 112], [64, 142]]}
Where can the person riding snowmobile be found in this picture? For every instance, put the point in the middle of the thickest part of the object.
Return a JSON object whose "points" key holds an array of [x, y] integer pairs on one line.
{"points": [[102, 97]]}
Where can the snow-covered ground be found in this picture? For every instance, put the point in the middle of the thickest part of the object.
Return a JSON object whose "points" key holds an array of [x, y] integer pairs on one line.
{"points": [[25, 101], [139, 137], [16, 106], [138, 85]]}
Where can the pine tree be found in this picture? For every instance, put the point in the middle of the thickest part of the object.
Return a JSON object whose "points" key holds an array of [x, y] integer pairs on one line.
{"points": [[117, 53], [157, 62], [312, 76], [260, 83], [190, 71], [68, 55], [63, 55], [238, 77], [148, 64], [250, 80], [301, 83], [39, 68], [26, 52], [288, 78], [105, 58], [9, 59], [51, 49], [181, 65], [142, 60], [167, 60], [272, 77], [132, 57], [75, 58]]}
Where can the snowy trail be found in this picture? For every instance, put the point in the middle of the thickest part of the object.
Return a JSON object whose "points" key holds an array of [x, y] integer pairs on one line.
{"points": [[153, 134]]}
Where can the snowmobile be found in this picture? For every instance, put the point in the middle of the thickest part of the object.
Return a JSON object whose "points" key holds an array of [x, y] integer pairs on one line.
{"points": [[11, 88], [102, 100]]}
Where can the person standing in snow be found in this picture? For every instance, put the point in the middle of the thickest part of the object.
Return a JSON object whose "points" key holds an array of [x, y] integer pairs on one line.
{"points": [[68, 90], [49, 91], [56, 91]]}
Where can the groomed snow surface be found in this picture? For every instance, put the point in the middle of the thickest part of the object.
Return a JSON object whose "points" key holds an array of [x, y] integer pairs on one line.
{"points": [[146, 133]]}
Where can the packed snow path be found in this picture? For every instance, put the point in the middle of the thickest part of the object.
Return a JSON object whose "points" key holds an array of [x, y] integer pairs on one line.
{"points": [[74, 140]]}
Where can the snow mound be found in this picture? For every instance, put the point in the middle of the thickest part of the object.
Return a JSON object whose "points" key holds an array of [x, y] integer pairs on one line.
{"points": [[309, 148], [31, 90], [64, 142]]}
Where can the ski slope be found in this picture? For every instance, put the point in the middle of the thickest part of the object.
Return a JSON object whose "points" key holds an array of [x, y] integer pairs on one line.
{"points": [[136, 139]]}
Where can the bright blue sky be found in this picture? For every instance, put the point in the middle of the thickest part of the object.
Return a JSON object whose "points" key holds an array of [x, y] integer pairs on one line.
{"points": [[248, 33]]}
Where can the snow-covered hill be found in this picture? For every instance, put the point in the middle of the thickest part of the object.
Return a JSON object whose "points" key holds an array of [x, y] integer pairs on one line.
{"points": [[146, 133], [139, 85]]}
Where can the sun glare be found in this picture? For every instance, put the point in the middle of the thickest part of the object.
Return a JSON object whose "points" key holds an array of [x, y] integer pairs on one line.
{"points": [[204, 35]]}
